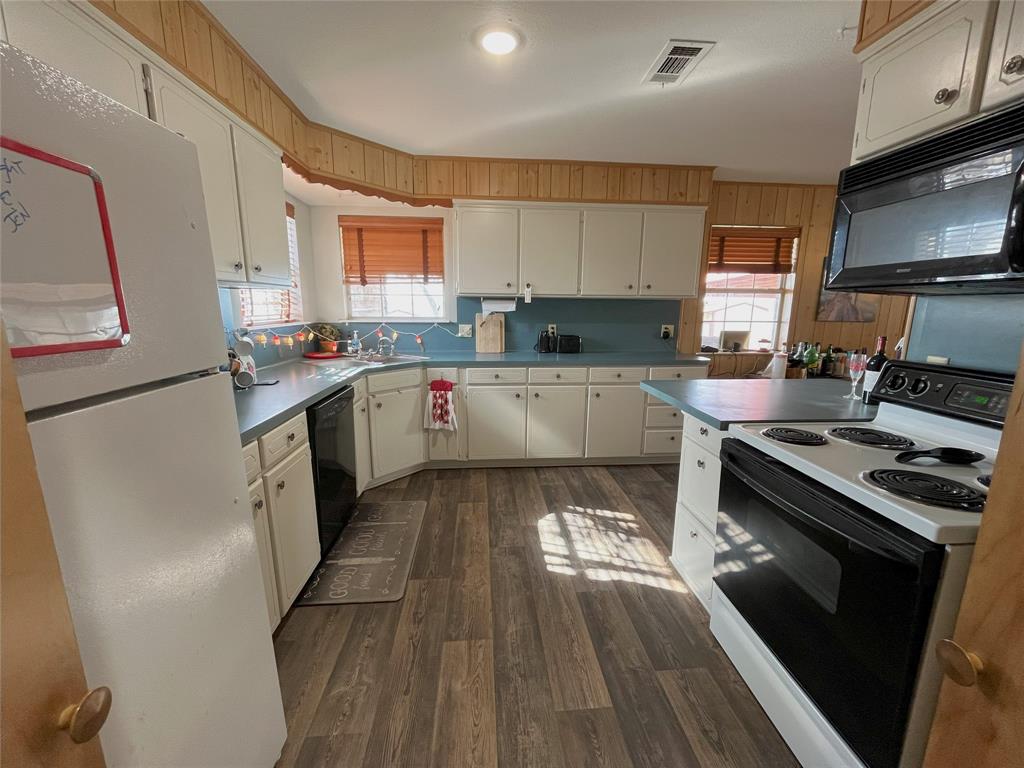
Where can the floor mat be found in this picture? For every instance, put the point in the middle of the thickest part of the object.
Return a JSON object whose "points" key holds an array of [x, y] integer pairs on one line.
{"points": [[371, 560]]}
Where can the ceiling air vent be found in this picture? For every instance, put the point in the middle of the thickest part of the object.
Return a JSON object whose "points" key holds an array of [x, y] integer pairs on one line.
{"points": [[676, 61]]}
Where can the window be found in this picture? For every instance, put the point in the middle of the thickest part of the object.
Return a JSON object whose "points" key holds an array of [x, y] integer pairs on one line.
{"points": [[270, 306], [749, 286], [393, 267]]}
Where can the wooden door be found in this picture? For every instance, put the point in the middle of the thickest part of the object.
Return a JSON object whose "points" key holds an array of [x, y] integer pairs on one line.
{"points": [[980, 723], [40, 668], [293, 524], [65, 38], [497, 422], [397, 439], [188, 115], [487, 249], [673, 245], [611, 252], [615, 416], [261, 198], [556, 422], [549, 251], [1005, 78]]}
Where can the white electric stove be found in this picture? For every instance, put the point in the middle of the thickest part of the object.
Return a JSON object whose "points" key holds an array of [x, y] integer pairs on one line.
{"points": [[842, 554]]}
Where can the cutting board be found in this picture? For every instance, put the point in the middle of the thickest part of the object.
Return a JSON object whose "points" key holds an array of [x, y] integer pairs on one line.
{"points": [[490, 332]]}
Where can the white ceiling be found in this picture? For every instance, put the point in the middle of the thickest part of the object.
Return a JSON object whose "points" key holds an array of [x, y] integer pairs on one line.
{"points": [[775, 99]]}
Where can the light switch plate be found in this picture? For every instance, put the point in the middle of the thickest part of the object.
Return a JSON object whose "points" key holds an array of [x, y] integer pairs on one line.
{"points": [[466, 330], [552, 329], [670, 329]]}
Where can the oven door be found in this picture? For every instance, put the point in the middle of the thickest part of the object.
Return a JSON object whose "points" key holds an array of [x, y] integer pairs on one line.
{"points": [[841, 596], [952, 227]]}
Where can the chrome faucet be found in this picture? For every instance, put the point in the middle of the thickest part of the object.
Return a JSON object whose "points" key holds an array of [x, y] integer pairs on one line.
{"points": [[380, 346]]}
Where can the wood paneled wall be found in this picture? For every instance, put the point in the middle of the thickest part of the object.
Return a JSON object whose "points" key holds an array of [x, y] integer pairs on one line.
{"points": [[188, 36], [810, 208]]}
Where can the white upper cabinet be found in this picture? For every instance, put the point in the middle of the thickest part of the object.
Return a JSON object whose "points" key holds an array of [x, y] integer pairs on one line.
{"points": [[67, 39], [261, 200], [487, 251], [925, 80], [1005, 78], [185, 113], [611, 252], [672, 248], [549, 251]]}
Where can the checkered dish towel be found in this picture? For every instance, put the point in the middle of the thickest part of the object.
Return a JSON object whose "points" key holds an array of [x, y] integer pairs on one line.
{"points": [[440, 412]]}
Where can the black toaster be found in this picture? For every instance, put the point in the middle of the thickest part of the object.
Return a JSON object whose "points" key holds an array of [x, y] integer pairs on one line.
{"points": [[568, 344]]}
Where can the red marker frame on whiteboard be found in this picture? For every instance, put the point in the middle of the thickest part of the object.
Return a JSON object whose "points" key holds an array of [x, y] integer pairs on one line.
{"points": [[108, 240]]}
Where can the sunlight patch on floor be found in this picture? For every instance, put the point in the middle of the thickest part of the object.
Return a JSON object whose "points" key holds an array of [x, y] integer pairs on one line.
{"points": [[604, 545]]}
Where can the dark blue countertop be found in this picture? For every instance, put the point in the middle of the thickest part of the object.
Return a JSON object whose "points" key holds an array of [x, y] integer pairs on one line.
{"points": [[302, 383], [721, 402]]}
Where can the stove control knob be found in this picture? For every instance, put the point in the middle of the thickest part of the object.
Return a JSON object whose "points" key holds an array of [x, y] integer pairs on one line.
{"points": [[896, 382], [919, 386]]}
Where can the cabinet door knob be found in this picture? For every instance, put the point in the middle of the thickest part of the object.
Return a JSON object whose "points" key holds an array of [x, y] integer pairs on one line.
{"points": [[518, 395], [536, 394], [960, 665], [558, 375], [380, 405], [700, 462], [675, 414], [1013, 65], [630, 286], [238, 266], [280, 485], [497, 375], [508, 285], [291, 437], [258, 504], [618, 375], [597, 394], [529, 285], [363, 409], [257, 268], [945, 95], [679, 375], [672, 438], [83, 720], [648, 286], [693, 534], [704, 431]]}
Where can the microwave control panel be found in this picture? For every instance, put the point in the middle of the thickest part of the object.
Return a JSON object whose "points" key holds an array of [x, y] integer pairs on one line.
{"points": [[974, 395]]}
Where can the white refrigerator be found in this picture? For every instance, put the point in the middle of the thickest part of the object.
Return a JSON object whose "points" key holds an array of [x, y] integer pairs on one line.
{"points": [[136, 442]]}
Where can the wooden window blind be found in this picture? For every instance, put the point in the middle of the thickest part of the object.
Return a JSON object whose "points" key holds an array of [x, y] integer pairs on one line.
{"points": [[764, 250], [376, 248]]}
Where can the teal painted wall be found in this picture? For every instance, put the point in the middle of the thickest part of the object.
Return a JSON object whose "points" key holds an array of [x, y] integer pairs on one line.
{"points": [[983, 332]]}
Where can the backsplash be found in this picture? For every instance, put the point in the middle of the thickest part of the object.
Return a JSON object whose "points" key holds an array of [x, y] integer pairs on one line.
{"points": [[972, 331]]}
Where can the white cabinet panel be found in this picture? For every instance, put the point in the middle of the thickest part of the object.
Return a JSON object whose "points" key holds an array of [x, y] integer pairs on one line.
{"points": [[615, 416], [251, 461], [258, 505], [67, 39], [497, 422], [188, 115], [397, 441], [693, 554], [926, 80], [699, 479], [1004, 81], [673, 245], [261, 198], [361, 418], [611, 252], [487, 251], [549, 251], [556, 422], [293, 525]]}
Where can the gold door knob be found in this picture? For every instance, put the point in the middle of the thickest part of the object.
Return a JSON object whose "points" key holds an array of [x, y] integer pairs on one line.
{"points": [[960, 665], [83, 720]]}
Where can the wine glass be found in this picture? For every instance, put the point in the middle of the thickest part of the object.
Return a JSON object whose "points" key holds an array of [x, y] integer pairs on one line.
{"points": [[855, 363]]}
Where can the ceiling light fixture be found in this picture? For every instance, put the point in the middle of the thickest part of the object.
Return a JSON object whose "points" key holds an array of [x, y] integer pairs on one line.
{"points": [[499, 41]]}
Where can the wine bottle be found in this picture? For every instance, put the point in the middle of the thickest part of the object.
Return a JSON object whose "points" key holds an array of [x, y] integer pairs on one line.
{"points": [[874, 366], [827, 362], [811, 359]]}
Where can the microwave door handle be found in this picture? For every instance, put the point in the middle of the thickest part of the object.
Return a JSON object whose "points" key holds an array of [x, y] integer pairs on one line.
{"points": [[1015, 224], [814, 522]]}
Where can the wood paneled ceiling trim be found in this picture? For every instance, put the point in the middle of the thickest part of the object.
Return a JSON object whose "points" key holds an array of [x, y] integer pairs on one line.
{"points": [[186, 34]]}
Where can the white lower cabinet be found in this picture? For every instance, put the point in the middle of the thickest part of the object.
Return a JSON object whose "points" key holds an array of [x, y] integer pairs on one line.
{"points": [[693, 554], [699, 476], [361, 421], [615, 415], [497, 421], [258, 505], [293, 525], [397, 440], [556, 422]]}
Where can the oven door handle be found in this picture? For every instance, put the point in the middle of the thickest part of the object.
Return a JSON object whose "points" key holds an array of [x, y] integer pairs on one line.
{"points": [[846, 530]]}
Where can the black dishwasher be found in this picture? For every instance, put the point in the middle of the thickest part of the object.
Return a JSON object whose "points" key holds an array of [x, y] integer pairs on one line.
{"points": [[332, 434]]}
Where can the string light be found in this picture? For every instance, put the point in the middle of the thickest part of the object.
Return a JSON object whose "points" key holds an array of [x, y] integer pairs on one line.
{"points": [[289, 341], [277, 338], [276, 341]]}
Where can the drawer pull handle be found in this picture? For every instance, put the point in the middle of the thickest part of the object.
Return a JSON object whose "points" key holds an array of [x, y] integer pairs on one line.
{"points": [[380, 405], [618, 375], [497, 375], [945, 95], [291, 437], [700, 462], [558, 375], [536, 394], [1013, 65], [693, 534], [280, 485], [704, 431], [679, 375], [258, 504], [672, 437]]}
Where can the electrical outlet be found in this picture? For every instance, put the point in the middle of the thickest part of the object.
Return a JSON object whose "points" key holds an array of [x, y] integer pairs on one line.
{"points": [[466, 330], [552, 329], [668, 331]]}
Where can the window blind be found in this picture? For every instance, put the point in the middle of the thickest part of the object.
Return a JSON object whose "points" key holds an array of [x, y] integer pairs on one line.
{"points": [[769, 250], [375, 248], [269, 306]]}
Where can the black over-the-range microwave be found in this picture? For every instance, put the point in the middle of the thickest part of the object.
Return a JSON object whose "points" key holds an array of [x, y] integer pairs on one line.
{"points": [[942, 215]]}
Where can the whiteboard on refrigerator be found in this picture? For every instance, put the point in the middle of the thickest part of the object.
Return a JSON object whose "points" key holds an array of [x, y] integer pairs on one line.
{"points": [[59, 285]]}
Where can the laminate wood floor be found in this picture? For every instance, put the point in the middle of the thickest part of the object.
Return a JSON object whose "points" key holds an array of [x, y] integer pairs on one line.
{"points": [[543, 627]]}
